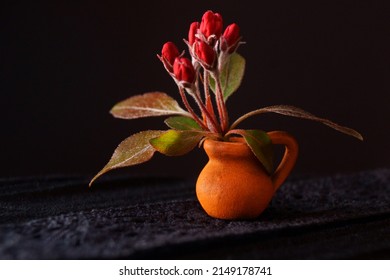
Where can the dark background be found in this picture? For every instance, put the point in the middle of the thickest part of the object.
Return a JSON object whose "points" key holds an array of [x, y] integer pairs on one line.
{"points": [[64, 65]]}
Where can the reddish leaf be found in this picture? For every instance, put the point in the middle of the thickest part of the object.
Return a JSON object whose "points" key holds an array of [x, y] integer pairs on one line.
{"points": [[133, 150], [147, 105], [292, 111]]}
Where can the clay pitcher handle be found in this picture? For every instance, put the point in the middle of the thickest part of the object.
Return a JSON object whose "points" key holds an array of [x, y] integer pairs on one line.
{"points": [[289, 158]]}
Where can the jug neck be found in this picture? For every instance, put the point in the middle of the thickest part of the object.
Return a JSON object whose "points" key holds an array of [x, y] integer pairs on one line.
{"points": [[228, 150]]}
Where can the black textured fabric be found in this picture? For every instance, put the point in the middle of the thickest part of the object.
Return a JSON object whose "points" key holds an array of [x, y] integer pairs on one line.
{"points": [[338, 217]]}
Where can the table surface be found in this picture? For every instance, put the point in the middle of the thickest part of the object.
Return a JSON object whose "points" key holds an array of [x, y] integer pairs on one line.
{"points": [[345, 216]]}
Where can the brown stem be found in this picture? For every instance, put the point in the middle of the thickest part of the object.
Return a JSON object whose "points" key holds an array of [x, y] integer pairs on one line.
{"points": [[209, 103], [222, 110], [213, 126], [190, 110], [204, 117]]}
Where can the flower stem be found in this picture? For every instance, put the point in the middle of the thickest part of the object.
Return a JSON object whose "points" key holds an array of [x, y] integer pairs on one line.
{"points": [[208, 101], [247, 115], [213, 126], [190, 110], [221, 105]]}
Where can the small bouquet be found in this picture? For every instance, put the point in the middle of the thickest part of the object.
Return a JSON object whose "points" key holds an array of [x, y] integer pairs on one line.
{"points": [[206, 78]]}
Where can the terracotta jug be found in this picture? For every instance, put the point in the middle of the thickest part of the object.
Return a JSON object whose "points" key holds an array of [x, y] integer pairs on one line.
{"points": [[234, 184]]}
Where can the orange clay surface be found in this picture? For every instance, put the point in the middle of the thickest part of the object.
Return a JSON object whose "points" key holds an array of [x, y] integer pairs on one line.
{"points": [[234, 184]]}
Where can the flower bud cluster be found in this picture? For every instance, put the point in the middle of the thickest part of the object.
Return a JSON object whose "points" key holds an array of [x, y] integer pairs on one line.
{"points": [[208, 46]]}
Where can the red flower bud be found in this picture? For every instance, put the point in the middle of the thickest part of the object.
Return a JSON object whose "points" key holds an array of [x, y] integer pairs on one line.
{"points": [[183, 70], [211, 24], [205, 54], [169, 52], [192, 32], [231, 36]]}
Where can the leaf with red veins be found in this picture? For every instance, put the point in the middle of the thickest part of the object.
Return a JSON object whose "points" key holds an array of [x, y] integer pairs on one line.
{"points": [[134, 150], [150, 104], [292, 111]]}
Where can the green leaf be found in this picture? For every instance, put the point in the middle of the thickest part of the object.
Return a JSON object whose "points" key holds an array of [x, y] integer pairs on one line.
{"points": [[182, 123], [147, 105], [177, 142], [260, 144], [292, 111], [231, 75], [133, 150]]}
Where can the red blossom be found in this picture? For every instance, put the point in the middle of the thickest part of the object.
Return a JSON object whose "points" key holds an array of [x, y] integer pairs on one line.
{"points": [[183, 70], [192, 32], [169, 52], [205, 53], [211, 24], [231, 37]]}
